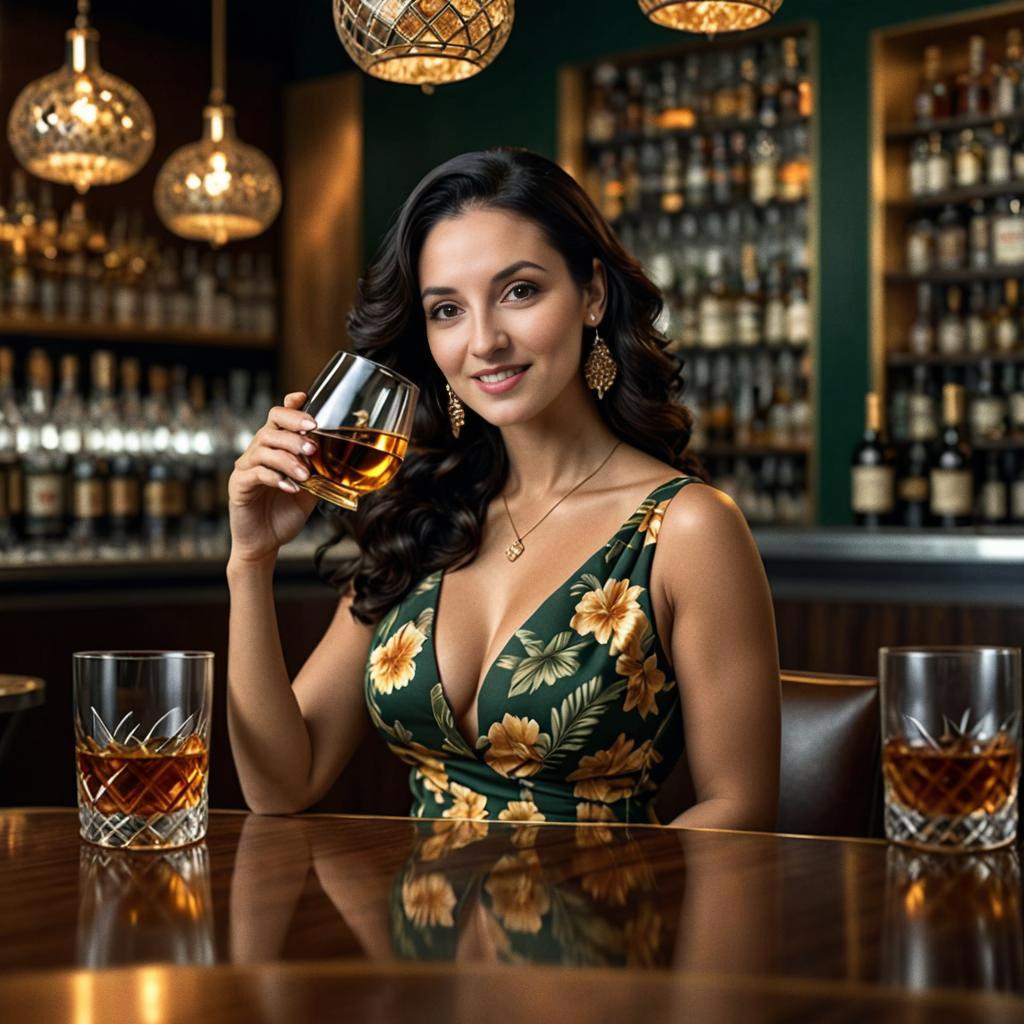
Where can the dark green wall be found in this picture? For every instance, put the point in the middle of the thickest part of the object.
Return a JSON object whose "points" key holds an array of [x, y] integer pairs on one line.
{"points": [[514, 102]]}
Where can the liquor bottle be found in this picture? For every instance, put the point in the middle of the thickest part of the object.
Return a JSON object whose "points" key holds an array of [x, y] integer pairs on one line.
{"points": [[124, 494], [932, 98], [789, 88], [1007, 232], [804, 87], [780, 432], [764, 168], [746, 87], [795, 165], [630, 173], [739, 170], [969, 161], [600, 115], [21, 209], [1006, 85], [671, 187], [42, 461], [10, 464], [721, 176], [675, 114], [872, 470], [978, 324], [224, 301], [749, 302], [973, 92], [720, 415], [951, 335], [922, 422], [69, 422], [163, 502], [798, 312], [920, 246], [746, 402], [951, 240], [74, 231], [998, 158], [800, 405], [698, 178], [89, 466], [993, 495], [768, 108], [1017, 491], [775, 305], [988, 407], [918, 183], [1016, 404], [912, 488], [203, 492], [951, 480], [979, 236], [940, 166], [1006, 326], [725, 101], [21, 281], [634, 100]]}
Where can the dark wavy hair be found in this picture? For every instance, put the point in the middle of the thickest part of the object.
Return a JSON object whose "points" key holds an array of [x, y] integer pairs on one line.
{"points": [[430, 516]]}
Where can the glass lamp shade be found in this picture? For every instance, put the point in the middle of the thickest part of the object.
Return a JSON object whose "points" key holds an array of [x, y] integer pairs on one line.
{"points": [[710, 16], [217, 189], [81, 125], [423, 42]]}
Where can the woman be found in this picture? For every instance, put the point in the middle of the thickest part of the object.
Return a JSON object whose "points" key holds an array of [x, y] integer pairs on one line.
{"points": [[547, 609]]}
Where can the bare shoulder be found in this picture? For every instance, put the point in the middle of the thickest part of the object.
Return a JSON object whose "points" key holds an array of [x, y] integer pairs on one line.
{"points": [[705, 536]]}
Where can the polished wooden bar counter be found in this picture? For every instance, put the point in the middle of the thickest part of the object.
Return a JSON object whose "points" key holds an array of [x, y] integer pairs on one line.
{"points": [[329, 918]]}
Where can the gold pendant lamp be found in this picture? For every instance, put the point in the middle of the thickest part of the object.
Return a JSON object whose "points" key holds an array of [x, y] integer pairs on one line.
{"points": [[710, 16], [81, 125], [218, 189], [423, 42]]}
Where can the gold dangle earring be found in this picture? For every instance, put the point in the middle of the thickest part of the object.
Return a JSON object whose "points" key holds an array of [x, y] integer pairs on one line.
{"points": [[600, 369], [456, 412]]}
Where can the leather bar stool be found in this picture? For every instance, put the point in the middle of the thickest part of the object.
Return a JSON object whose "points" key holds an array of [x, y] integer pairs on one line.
{"points": [[830, 779]]}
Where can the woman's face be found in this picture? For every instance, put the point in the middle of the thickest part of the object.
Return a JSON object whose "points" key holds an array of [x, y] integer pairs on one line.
{"points": [[504, 318]]}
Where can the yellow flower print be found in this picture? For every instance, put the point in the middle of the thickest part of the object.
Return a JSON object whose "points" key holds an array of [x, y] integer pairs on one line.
{"points": [[644, 679], [520, 813], [393, 664], [651, 522], [428, 900], [513, 751], [450, 835], [611, 613], [467, 804], [608, 775], [591, 816], [609, 873], [428, 764], [519, 898]]}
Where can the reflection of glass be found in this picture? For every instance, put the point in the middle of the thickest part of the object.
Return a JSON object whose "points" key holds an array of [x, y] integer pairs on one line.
{"points": [[144, 908], [951, 745], [953, 921], [142, 735], [364, 416]]}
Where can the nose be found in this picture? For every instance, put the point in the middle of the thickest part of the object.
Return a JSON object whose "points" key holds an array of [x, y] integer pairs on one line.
{"points": [[487, 338]]}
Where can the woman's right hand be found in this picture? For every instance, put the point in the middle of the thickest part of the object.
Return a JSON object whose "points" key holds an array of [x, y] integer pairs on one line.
{"points": [[266, 506]]}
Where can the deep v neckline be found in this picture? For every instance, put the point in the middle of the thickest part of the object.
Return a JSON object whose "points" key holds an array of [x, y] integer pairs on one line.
{"points": [[482, 681]]}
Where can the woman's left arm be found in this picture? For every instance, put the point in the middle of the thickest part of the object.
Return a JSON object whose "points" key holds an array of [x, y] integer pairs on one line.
{"points": [[725, 657]]}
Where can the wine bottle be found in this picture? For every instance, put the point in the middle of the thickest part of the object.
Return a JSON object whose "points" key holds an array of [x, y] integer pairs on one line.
{"points": [[872, 470], [952, 484]]}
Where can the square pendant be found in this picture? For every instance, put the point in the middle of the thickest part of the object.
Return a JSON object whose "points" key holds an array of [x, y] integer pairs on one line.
{"points": [[514, 550]]}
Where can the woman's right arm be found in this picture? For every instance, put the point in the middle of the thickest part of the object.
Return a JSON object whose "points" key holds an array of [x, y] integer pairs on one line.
{"points": [[290, 740]]}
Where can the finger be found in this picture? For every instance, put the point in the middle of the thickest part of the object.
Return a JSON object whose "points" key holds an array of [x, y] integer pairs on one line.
{"points": [[244, 483], [290, 419], [284, 462], [286, 440], [294, 399]]}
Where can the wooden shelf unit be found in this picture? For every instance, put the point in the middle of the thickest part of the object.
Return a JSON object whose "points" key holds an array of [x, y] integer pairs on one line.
{"points": [[897, 57], [576, 156]]}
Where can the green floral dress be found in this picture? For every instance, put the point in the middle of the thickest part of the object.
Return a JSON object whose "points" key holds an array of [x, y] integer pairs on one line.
{"points": [[579, 717]]}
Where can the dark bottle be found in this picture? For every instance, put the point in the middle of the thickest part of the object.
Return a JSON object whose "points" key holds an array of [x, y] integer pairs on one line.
{"points": [[913, 486], [951, 481], [872, 470], [993, 497], [124, 487]]}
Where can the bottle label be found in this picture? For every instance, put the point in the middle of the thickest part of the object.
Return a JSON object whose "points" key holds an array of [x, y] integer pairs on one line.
{"points": [[918, 177], [124, 497], [1018, 165], [44, 495], [5, 504], [204, 497], [914, 489], [919, 253], [987, 416], [952, 337], [1006, 334], [872, 489], [938, 173], [88, 499], [922, 426], [951, 492], [1008, 240], [993, 501], [763, 177], [999, 165], [163, 499], [15, 489], [775, 322], [968, 169], [798, 322]]}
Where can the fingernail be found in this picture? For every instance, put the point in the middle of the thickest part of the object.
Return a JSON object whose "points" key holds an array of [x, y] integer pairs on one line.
{"points": [[289, 486], [308, 448], [302, 474], [309, 424]]}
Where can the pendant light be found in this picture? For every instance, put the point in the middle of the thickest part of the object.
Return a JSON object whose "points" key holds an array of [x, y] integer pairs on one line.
{"points": [[217, 189], [81, 125], [423, 42], [710, 16]]}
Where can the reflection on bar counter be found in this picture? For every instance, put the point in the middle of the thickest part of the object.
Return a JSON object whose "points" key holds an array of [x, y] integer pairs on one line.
{"points": [[118, 473]]}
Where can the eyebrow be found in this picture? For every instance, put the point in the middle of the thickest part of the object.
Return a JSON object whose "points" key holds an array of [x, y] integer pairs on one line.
{"points": [[500, 275]]}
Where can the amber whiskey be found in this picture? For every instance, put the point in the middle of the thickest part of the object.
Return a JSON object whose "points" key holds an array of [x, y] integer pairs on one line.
{"points": [[352, 461]]}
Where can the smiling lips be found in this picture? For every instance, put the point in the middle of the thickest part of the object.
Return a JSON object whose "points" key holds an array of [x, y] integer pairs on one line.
{"points": [[500, 380]]}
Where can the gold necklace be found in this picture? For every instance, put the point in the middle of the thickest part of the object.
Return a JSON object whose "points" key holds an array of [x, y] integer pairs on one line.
{"points": [[514, 550]]}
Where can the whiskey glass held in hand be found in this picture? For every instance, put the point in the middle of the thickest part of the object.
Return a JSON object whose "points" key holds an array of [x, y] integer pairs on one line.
{"points": [[142, 741], [951, 735], [364, 414]]}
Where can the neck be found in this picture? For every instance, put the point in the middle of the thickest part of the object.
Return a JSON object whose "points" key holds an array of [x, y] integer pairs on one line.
{"points": [[554, 451]]}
